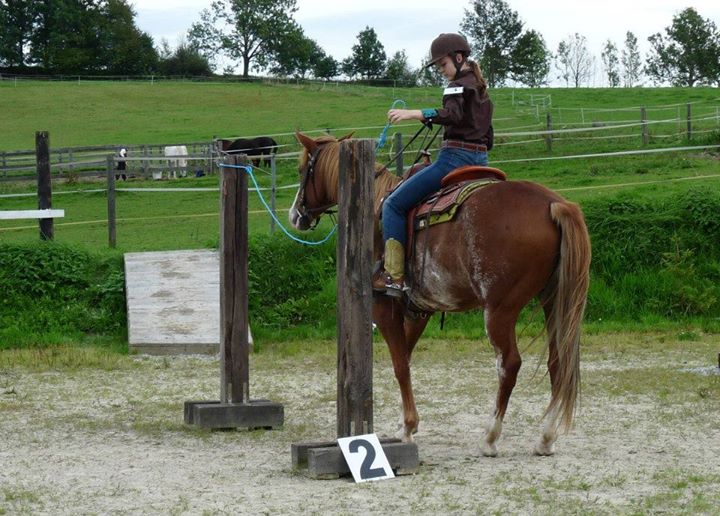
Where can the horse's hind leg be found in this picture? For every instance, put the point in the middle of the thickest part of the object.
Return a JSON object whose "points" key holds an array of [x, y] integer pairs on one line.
{"points": [[500, 327], [548, 436]]}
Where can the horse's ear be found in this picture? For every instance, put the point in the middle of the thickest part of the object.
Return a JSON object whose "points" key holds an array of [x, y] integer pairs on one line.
{"points": [[306, 141], [346, 136]]}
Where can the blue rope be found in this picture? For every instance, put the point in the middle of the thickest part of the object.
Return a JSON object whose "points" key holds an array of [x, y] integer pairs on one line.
{"points": [[248, 169], [383, 135]]}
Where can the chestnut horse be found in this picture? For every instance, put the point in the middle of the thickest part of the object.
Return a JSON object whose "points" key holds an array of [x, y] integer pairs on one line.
{"points": [[510, 242]]}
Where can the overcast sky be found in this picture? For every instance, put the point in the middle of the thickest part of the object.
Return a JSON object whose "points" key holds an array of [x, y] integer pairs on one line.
{"points": [[411, 25]]}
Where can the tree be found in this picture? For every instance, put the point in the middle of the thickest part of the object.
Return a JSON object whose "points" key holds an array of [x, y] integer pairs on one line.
{"points": [[430, 76], [17, 18], [294, 55], [74, 36], [495, 30], [368, 56], [248, 30], [630, 60], [530, 60], [610, 61], [184, 60], [124, 49], [688, 54], [575, 61], [325, 66], [399, 70]]}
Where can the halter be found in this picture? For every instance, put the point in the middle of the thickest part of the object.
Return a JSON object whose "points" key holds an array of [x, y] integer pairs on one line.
{"points": [[308, 176]]}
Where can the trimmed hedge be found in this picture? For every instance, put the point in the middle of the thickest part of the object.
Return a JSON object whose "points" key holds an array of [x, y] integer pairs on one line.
{"points": [[654, 257]]}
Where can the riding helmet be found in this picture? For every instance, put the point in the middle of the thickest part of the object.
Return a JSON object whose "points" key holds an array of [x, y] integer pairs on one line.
{"points": [[447, 44]]}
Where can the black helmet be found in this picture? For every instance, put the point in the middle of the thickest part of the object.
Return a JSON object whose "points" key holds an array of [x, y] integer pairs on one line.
{"points": [[447, 44]]}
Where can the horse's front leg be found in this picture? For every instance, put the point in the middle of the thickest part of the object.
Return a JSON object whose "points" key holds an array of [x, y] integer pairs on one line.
{"points": [[388, 315]]}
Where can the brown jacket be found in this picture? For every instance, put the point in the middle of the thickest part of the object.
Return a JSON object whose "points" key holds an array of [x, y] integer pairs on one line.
{"points": [[467, 111]]}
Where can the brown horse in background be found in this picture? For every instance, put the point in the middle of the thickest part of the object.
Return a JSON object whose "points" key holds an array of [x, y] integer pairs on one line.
{"points": [[509, 243]]}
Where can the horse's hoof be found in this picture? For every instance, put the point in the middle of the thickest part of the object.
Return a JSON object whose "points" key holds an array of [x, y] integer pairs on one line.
{"points": [[544, 449], [489, 450], [405, 437]]}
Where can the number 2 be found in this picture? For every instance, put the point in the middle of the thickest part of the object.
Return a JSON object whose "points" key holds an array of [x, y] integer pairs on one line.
{"points": [[365, 470]]}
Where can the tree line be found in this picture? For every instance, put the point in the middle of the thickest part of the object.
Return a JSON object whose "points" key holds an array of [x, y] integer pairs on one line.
{"points": [[100, 36]]}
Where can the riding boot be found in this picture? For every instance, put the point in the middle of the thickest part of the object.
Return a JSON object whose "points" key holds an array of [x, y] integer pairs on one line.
{"points": [[392, 279]]}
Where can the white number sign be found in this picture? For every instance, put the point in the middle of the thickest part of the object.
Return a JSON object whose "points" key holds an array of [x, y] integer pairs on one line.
{"points": [[365, 457]]}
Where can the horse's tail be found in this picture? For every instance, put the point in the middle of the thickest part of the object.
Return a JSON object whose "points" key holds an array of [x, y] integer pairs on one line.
{"points": [[567, 309]]}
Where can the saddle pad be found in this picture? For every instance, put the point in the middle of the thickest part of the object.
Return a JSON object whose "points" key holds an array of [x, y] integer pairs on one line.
{"points": [[441, 207]]}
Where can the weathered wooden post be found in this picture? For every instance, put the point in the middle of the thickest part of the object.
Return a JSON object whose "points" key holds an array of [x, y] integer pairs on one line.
{"points": [[235, 409], [44, 182], [354, 289], [354, 314], [112, 235], [273, 191], [644, 126], [689, 121], [548, 135], [399, 165]]}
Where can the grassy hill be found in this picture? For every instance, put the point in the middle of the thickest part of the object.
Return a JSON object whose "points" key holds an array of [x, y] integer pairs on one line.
{"points": [[652, 217]]}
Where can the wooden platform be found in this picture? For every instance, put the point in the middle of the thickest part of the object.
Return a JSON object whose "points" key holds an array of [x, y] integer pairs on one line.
{"points": [[173, 301], [324, 460]]}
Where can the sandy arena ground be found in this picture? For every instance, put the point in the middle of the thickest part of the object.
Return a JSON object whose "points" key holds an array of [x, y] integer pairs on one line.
{"points": [[89, 441]]}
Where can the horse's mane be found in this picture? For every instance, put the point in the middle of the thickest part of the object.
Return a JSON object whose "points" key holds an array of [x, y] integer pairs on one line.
{"points": [[328, 167]]}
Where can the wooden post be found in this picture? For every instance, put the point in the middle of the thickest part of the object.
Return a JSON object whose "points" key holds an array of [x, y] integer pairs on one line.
{"points": [[146, 163], [112, 237], [354, 314], [273, 190], [235, 354], [548, 136], [644, 126], [44, 182], [354, 288], [689, 121], [399, 165], [235, 409]]}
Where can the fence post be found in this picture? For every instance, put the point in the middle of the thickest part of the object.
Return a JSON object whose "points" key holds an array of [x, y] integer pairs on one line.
{"points": [[689, 121], [399, 165], [146, 162], [234, 345], [44, 182], [354, 300], [273, 191], [3, 159], [112, 237], [644, 126], [548, 136]]}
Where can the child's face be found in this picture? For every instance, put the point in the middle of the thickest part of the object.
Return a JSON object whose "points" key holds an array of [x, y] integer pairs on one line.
{"points": [[446, 67]]}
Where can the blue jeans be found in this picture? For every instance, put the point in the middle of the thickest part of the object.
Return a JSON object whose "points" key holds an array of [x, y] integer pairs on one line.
{"points": [[422, 184]]}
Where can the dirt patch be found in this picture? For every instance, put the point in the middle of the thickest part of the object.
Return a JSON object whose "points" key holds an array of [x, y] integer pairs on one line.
{"points": [[81, 441]]}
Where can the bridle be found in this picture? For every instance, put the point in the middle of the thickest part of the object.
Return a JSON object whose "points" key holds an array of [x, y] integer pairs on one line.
{"points": [[308, 177]]}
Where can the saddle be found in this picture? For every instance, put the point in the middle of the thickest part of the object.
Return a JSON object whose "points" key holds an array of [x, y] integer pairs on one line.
{"points": [[442, 206]]}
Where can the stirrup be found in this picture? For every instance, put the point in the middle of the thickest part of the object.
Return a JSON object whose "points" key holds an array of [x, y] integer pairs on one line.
{"points": [[395, 288]]}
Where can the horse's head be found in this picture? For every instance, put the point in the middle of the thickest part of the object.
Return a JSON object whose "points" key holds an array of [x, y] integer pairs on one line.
{"points": [[318, 180]]}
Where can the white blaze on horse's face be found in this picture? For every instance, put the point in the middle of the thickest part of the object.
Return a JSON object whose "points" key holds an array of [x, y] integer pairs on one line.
{"points": [[297, 219]]}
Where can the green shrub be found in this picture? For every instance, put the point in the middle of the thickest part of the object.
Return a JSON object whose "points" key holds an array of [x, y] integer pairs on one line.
{"points": [[50, 290], [654, 259]]}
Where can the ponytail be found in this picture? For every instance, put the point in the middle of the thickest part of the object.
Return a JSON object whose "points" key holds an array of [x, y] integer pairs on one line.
{"points": [[478, 74]]}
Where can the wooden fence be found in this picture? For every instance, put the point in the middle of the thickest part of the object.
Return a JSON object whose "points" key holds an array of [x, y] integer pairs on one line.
{"points": [[92, 160]]}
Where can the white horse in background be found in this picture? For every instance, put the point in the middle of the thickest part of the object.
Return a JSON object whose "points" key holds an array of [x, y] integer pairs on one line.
{"points": [[177, 167]]}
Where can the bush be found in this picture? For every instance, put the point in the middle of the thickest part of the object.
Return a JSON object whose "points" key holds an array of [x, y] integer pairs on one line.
{"points": [[51, 289], [653, 259]]}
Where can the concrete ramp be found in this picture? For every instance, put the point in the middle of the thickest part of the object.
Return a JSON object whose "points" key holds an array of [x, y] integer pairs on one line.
{"points": [[173, 301]]}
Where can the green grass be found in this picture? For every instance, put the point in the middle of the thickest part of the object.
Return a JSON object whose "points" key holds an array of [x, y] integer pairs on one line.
{"points": [[641, 280]]}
